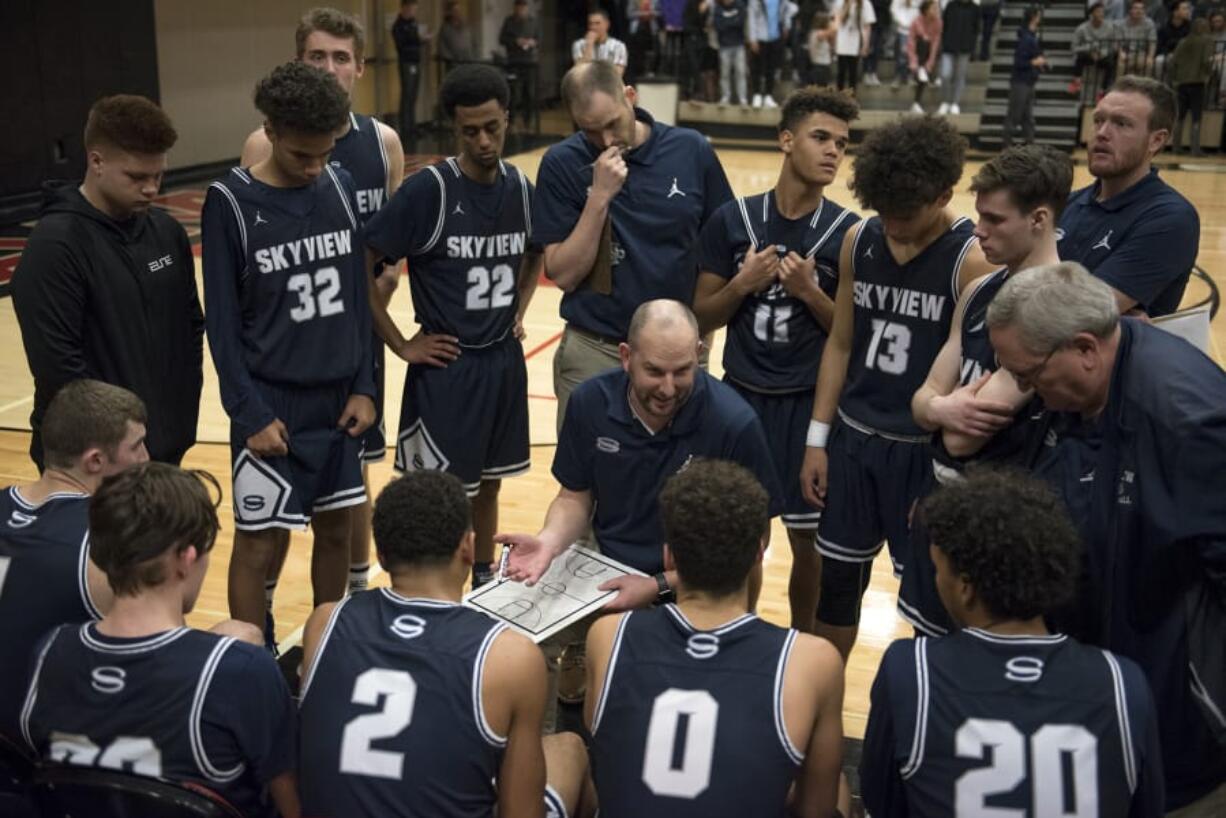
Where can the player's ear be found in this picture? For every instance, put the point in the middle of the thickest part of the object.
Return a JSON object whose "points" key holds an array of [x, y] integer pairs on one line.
{"points": [[269, 132], [93, 461], [669, 563], [467, 549], [945, 198], [623, 351], [785, 141], [632, 95], [762, 543]]}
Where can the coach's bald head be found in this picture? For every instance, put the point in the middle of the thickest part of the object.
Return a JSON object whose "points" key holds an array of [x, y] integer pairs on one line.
{"points": [[661, 357]]}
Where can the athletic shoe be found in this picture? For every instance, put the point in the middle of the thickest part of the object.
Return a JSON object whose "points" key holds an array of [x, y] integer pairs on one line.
{"points": [[723, 100], [943, 109], [921, 74], [769, 101], [954, 109], [916, 108], [757, 101], [870, 79], [572, 674]]}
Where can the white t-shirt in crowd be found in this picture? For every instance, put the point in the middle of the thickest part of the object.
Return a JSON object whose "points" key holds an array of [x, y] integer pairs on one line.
{"points": [[847, 44]]}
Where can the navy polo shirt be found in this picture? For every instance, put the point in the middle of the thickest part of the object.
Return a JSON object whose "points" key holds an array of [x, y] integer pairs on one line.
{"points": [[605, 449], [1143, 242], [675, 182]]}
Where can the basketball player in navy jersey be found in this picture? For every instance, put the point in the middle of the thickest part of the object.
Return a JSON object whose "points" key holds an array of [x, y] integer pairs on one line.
{"points": [[414, 705], [289, 328], [91, 430], [1004, 717], [900, 275], [464, 224], [978, 410], [370, 151], [701, 708], [139, 691], [768, 270]]}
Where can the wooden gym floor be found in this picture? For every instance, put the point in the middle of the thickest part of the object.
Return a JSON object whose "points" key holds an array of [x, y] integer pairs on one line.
{"points": [[524, 499]]}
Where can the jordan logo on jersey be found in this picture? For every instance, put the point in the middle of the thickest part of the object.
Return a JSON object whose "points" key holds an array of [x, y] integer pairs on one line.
{"points": [[868, 251], [459, 209], [1104, 243], [259, 220], [674, 190]]}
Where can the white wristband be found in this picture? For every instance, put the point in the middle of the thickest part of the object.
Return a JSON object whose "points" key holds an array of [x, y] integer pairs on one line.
{"points": [[817, 435]]}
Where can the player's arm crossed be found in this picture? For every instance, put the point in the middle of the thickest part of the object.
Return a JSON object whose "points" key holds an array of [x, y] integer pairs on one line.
{"points": [[513, 693], [832, 373], [813, 719]]}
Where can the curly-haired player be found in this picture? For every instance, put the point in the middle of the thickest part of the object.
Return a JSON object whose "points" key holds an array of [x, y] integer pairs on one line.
{"points": [[1003, 716], [290, 331], [900, 275], [769, 266]]}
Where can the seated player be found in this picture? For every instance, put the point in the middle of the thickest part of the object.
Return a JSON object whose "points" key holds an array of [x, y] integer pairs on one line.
{"points": [[703, 709], [91, 430], [289, 329], [1003, 717], [413, 705], [139, 691]]}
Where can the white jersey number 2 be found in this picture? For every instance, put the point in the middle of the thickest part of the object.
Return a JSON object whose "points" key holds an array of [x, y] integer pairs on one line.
{"points": [[399, 694], [686, 716]]}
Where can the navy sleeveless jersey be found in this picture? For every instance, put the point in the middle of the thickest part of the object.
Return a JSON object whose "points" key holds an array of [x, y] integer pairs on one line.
{"points": [[690, 723], [184, 705], [303, 314], [464, 241], [977, 723], [774, 342], [44, 553], [902, 317], [361, 153], [391, 714]]}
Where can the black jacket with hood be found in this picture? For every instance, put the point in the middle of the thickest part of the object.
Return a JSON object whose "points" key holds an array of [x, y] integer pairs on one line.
{"points": [[116, 302]]}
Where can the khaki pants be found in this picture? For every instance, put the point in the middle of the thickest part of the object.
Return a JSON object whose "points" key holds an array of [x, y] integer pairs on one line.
{"points": [[579, 357], [1212, 805]]}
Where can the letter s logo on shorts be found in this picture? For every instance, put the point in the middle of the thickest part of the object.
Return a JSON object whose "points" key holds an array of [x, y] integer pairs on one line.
{"points": [[253, 502]]}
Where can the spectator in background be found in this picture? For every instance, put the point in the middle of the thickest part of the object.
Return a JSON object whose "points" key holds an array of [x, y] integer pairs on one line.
{"points": [[989, 12], [855, 19], [1217, 30], [644, 21], [598, 45], [880, 31], [694, 40], [1178, 26], [1116, 10], [410, 38], [1028, 61], [455, 38], [821, 49], [1094, 48], [1138, 39], [1191, 66], [960, 35], [769, 20], [729, 17], [904, 13], [923, 45], [520, 38]]}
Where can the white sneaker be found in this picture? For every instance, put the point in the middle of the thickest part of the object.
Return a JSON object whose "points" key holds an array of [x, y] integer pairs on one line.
{"points": [[954, 109], [757, 101], [922, 75], [943, 109], [769, 101], [936, 83], [916, 108], [871, 79], [723, 100]]}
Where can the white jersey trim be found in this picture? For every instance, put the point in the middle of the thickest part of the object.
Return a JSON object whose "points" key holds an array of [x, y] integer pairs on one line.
{"points": [[238, 217], [32, 692], [195, 734], [340, 192], [603, 697], [920, 736], [842, 217], [442, 213], [161, 640], [744, 208], [1016, 639], [1121, 712], [527, 200], [785, 740], [911, 614], [956, 275], [483, 725], [87, 598], [1202, 694], [319, 651]]}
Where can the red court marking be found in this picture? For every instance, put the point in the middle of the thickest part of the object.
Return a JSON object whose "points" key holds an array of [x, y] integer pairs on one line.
{"points": [[543, 346], [13, 243], [7, 266]]}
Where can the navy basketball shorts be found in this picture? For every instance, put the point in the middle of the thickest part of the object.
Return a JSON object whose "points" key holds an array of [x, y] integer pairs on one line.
{"points": [[785, 417], [469, 418], [322, 472], [873, 482], [374, 439], [918, 600]]}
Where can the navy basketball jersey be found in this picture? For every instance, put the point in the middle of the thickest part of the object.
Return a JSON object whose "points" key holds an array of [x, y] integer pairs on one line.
{"points": [[464, 241], [774, 342], [690, 722], [978, 723], [184, 705], [391, 715], [361, 153], [902, 317], [978, 356], [301, 268], [44, 554]]}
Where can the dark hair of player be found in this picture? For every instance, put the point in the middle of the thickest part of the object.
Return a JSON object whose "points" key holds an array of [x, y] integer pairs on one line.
{"points": [[907, 164], [804, 102], [420, 518], [1160, 96], [1029, 15], [1034, 176], [140, 513], [715, 514], [600, 12], [588, 78], [472, 84], [1010, 536], [331, 21], [85, 414], [301, 98], [129, 122]]}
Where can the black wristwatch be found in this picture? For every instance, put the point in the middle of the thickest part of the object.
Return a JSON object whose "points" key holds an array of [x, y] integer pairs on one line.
{"points": [[664, 592]]}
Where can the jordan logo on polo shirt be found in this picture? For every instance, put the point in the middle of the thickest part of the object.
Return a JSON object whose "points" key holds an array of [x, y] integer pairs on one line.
{"points": [[1104, 243], [675, 190]]}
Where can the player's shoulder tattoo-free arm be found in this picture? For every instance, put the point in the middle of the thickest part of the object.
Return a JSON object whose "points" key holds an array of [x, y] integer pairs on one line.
{"points": [[832, 373], [516, 671], [394, 150], [599, 649], [256, 148]]}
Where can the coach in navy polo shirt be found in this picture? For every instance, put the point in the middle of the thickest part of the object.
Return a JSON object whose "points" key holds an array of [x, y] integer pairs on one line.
{"points": [[1130, 228], [1145, 413], [626, 432], [655, 186]]}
